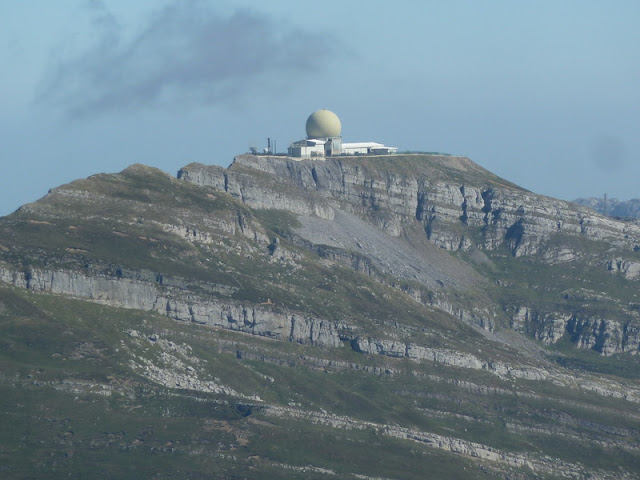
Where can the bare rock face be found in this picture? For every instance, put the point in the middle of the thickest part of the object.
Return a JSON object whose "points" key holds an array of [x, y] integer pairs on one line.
{"points": [[460, 207], [630, 270], [261, 320], [456, 213], [247, 188], [596, 333], [393, 218], [548, 328]]}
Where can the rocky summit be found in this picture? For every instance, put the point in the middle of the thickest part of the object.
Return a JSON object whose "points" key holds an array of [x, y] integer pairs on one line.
{"points": [[356, 317]]}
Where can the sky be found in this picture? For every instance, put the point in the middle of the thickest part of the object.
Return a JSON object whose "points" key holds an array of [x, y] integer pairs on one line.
{"points": [[545, 94]]}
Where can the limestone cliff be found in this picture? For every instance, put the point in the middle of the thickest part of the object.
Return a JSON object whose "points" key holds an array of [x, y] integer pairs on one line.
{"points": [[459, 207], [459, 204], [178, 304]]}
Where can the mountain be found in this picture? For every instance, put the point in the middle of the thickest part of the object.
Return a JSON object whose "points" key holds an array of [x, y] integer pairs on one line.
{"points": [[613, 206], [384, 317]]}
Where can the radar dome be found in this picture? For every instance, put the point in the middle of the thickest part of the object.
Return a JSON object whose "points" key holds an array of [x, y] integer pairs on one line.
{"points": [[323, 123]]}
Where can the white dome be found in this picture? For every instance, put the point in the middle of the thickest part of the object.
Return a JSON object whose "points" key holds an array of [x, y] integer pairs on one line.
{"points": [[323, 123]]}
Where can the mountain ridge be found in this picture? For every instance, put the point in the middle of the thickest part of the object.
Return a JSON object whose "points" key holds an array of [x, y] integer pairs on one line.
{"points": [[629, 209]]}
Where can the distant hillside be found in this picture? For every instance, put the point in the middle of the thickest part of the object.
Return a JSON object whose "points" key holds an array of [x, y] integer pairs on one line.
{"points": [[613, 207]]}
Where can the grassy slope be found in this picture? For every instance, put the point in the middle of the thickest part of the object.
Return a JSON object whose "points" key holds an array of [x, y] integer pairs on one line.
{"points": [[62, 425], [57, 354]]}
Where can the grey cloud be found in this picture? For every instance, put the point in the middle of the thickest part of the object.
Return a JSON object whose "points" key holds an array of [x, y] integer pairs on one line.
{"points": [[185, 54]]}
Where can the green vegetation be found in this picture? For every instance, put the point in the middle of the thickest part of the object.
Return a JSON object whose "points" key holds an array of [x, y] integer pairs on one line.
{"points": [[59, 356], [619, 365], [280, 222]]}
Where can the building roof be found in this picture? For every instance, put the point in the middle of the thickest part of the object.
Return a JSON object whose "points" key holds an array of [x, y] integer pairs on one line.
{"points": [[362, 145]]}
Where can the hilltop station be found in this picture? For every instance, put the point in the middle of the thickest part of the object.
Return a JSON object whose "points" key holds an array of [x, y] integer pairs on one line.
{"points": [[324, 140]]}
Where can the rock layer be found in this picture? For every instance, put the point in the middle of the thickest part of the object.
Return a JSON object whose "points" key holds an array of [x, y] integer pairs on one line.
{"points": [[451, 213], [263, 320]]}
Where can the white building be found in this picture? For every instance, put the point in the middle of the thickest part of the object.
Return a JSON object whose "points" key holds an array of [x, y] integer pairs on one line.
{"points": [[367, 148], [324, 140], [316, 147]]}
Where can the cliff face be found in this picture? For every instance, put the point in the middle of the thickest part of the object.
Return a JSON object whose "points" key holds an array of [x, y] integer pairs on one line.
{"points": [[459, 204], [178, 304], [408, 310], [442, 229], [459, 207]]}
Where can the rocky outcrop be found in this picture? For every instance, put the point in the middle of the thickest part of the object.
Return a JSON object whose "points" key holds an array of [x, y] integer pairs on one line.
{"points": [[263, 320], [176, 368], [458, 205], [457, 213], [181, 305], [504, 371], [630, 270], [605, 336], [398, 349], [541, 465], [547, 328], [207, 230], [589, 332], [262, 195]]}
